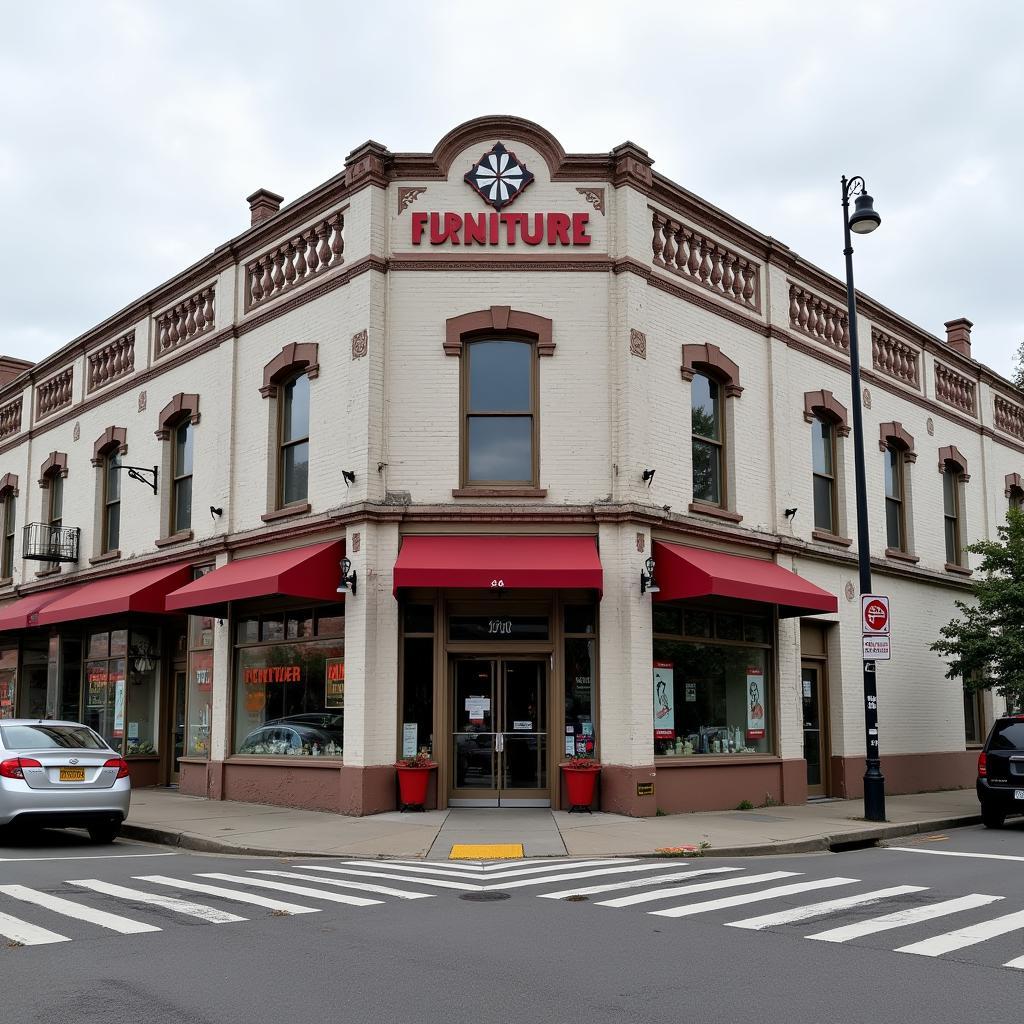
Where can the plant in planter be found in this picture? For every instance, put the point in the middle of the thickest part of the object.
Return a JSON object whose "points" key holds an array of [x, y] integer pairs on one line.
{"points": [[580, 775], [413, 780]]}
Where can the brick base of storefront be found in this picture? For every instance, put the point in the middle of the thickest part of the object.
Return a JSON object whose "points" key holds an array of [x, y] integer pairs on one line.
{"points": [[908, 773]]}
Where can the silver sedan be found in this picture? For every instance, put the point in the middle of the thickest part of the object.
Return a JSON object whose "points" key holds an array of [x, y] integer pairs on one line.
{"points": [[61, 774]]}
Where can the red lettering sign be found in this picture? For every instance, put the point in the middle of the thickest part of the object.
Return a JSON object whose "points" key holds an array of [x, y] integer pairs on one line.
{"points": [[558, 229], [272, 674]]}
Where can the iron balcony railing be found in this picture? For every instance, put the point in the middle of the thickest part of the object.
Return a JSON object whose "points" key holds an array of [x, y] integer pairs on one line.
{"points": [[45, 543]]}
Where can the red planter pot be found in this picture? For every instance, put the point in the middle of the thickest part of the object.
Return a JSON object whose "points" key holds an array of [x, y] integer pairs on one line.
{"points": [[580, 784], [412, 786]]}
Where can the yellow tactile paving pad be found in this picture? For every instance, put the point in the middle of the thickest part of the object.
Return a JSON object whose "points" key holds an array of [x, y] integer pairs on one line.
{"points": [[486, 851]]}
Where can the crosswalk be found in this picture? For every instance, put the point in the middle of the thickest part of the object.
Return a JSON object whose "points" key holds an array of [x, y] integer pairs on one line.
{"points": [[846, 909]]}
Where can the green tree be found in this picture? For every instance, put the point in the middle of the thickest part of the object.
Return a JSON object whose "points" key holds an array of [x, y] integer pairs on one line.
{"points": [[985, 645], [1018, 370]]}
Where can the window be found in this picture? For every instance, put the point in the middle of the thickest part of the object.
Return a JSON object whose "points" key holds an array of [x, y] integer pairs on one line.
{"points": [[290, 683], [823, 452], [1016, 496], [199, 699], [181, 476], [710, 682], [10, 512], [952, 514], [580, 664], [293, 452], [499, 429], [974, 716], [708, 440], [417, 734], [55, 509], [895, 509], [111, 501]]}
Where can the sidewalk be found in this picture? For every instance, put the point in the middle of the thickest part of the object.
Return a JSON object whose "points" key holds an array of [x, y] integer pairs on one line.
{"points": [[166, 816]]}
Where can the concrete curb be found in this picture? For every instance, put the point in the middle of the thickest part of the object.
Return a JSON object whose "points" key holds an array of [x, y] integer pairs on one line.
{"points": [[819, 844]]}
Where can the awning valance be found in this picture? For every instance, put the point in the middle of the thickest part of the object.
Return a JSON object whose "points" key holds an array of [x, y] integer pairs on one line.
{"points": [[684, 572], [499, 562], [141, 591], [309, 573], [24, 612]]}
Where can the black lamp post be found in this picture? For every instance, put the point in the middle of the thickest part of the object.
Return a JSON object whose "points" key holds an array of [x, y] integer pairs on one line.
{"points": [[863, 222]]}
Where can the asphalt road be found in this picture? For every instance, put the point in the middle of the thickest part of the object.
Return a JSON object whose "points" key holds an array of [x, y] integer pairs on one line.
{"points": [[424, 952]]}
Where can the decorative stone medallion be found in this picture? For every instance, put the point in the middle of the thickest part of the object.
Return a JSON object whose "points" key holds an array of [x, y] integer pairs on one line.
{"points": [[142, 401], [356, 540], [867, 399], [360, 344], [498, 177], [930, 426], [851, 593], [637, 344], [640, 541]]}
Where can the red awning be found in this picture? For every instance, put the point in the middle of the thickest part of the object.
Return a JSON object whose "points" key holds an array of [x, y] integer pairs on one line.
{"points": [[310, 573], [141, 591], [683, 572], [24, 613], [489, 562]]}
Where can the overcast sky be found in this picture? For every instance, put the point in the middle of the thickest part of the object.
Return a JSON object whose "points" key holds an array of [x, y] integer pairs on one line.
{"points": [[131, 132]]}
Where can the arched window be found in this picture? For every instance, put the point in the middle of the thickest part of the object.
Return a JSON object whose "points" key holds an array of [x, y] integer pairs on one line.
{"points": [[176, 429], [827, 417], [708, 440], [500, 417], [293, 443], [107, 454], [181, 478], [897, 447], [9, 515], [953, 467]]}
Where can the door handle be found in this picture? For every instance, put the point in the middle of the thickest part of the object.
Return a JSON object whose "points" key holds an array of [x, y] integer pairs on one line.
{"points": [[499, 742]]}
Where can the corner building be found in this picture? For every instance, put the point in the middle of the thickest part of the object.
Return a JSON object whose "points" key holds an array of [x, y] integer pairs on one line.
{"points": [[495, 380]]}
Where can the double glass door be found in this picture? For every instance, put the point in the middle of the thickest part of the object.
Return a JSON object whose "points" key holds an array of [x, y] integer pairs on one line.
{"points": [[499, 721]]}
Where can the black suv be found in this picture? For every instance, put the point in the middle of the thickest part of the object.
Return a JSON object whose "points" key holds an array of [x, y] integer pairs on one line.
{"points": [[1001, 771]]}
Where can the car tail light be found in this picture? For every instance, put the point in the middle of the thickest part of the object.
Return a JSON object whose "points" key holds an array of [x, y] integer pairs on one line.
{"points": [[982, 766], [120, 764], [12, 767]]}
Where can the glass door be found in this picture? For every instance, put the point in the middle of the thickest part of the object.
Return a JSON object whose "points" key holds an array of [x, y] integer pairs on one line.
{"points": [[499, 733], [815, 750]]}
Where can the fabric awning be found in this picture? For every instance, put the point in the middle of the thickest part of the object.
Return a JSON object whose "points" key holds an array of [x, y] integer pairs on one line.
{"points": [[683, 572], [499, 563], [310, 573], [141, 591], [24, 612]]}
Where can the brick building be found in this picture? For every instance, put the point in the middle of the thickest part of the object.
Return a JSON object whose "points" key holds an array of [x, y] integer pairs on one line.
{"points": [[496, 379]]}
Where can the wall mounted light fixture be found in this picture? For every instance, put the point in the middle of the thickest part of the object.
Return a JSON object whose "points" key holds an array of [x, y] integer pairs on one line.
{"points": [[647, 476], [135, 472], [789, 513], [348, 476], [215, 512], [648, 584], [347, 583]]}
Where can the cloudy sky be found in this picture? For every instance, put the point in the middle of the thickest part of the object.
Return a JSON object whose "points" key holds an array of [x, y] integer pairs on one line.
{"points": [[132, 130]]}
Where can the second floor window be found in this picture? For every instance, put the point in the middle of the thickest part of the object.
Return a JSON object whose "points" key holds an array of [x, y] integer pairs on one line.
{"points": [[500, 418], [895, 506], [823, 457], [111, 502], [1016, 498], [181, 473], [708, 440], [55, 501], [952, 514], [7, 554], [293, 456]]}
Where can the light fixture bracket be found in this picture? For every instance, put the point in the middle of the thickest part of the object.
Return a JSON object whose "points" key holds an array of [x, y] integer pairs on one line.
{"points": [[136, 473]]}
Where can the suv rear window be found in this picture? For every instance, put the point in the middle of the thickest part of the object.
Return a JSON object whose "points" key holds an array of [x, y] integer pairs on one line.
{"points": [[50, 737], [1007, 735]]}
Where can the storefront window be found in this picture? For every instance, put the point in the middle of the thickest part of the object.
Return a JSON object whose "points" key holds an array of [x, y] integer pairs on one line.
{"points": [[580, 738], [290, 693], [71, 678], [417, 680], [200, 681], [143, 711], [8, 680], [32, 685], [711, 696]]}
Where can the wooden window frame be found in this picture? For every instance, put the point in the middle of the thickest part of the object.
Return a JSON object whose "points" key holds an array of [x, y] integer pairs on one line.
{"points": [[832, 477], [465, 413], [283, 445], [892, 437], [105, 546], [113, 441], [718, 445], [178, 478], [181, 410], [9, 505], [899, 473], [953, 465]]}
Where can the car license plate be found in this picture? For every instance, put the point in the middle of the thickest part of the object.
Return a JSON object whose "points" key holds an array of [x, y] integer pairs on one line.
{"points": [[72, 775], [1018, 794]]}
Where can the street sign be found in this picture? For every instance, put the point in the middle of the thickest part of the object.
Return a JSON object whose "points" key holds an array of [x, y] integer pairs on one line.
{"points": [[876, 648], [874, 614]]}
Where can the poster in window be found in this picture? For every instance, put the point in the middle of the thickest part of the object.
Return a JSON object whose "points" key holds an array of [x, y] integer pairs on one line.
{"points": [[119, 708], [7, 698], [755, 704], [664, 696], [334, 675], [202, 670]]}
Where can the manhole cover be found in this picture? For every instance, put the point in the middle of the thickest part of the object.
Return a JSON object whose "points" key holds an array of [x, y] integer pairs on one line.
{"points": [[485, 897], [575, 898]]}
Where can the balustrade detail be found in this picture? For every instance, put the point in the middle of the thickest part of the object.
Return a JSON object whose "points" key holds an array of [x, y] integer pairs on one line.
{"points": [[182, 323], [294, 263], [895, 358], [955, 389], [705, 262], [1009, 417], [113, 360], [55, 393], [817, 317], [10, 418]]}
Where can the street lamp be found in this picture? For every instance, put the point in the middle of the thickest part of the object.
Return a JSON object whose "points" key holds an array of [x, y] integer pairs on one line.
{"points": [[863, 221]]}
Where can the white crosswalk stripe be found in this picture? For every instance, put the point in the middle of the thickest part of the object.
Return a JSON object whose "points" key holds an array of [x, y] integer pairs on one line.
{"points": [[16, 930], [78, 911], [204, 913], [822, 909], [903, 918], [683, 890], [507, 870], [383, 890], [752, 897], [231, 894], [632, 883], [441, 883], [969, 936], [295, 890]]}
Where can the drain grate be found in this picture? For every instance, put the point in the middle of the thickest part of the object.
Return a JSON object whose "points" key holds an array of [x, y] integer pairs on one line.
{"points": [[485, 897]]}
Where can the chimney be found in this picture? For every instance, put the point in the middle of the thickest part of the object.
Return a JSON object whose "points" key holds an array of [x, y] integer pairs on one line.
{"points": [[263, 204], [10, 368], [958, 335]]}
